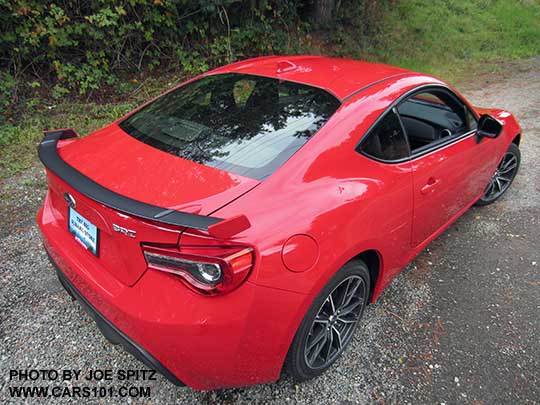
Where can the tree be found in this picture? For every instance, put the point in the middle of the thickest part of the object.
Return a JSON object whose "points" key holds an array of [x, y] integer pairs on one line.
{"points": [[324, 11]]}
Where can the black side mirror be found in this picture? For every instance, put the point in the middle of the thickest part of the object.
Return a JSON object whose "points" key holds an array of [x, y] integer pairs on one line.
{"points": [[488, 127]]}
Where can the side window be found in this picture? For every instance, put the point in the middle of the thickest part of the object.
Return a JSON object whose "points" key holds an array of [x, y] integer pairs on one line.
{"points": [[386, 141], [433, 117]]}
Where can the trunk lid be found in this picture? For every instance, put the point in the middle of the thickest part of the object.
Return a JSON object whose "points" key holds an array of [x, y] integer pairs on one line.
{"points": [[133, 169]]}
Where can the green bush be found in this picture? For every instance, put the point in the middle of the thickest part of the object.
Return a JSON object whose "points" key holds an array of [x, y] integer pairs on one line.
{"points": [[81, 46], [93, 47]]}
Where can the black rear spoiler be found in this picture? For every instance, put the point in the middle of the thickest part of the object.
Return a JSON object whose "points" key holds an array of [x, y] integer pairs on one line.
{"points": [[48, 154]]}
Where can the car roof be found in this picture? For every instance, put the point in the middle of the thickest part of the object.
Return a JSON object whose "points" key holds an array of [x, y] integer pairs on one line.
{"points": [[341, 77]]}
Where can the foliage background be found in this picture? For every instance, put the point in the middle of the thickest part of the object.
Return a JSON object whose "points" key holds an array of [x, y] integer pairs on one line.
{"points": [[78, 47], [83, 63]]}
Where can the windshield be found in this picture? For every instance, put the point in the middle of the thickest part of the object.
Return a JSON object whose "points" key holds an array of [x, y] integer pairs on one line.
{"points": [[245, 124]]}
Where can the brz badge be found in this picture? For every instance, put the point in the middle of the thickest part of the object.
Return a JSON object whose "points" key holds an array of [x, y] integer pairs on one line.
{"points": [[124, 231], [70, 200]]}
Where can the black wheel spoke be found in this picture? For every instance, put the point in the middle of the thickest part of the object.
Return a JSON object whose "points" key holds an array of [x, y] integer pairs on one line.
{"points": [[321, 318], [338, 335], [317, 350], [345, 294], [351, 294], [499, 185], [508, 164], [316, 339], [331, 301], [330, 345], [345, 320], [507, 168], [351, 307], [489, 189]]}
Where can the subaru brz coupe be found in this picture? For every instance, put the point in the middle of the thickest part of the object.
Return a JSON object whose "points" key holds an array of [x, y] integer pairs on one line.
{"points": [[237, 226]]}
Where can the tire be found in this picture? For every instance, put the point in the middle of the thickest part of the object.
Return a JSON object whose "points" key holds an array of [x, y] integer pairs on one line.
{"points": [[503, 177], [320, 320]]}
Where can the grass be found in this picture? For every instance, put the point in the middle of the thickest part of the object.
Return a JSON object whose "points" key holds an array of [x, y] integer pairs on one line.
{"points": [[19, 139], [448, 38], [453, 38]]}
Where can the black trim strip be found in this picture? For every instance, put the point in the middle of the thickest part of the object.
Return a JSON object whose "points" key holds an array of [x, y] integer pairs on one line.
{"points": [[48, 154]]}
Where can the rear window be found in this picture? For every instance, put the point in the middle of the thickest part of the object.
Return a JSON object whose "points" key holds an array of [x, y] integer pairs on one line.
{"points": [[244, 124]]}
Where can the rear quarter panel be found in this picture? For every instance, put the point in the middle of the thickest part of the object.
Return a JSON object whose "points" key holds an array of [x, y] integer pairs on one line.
{"points": [[346, 202]]}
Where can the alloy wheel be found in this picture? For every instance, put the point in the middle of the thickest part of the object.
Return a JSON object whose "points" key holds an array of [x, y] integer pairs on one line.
{"points": [[333, 327], [502, 177]]}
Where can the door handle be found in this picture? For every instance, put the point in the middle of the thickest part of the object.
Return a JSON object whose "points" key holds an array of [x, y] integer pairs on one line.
{"points": [[429, 186]]}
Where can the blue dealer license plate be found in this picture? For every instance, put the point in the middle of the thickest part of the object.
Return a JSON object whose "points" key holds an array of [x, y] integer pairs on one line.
{"points": [[85, 232]]}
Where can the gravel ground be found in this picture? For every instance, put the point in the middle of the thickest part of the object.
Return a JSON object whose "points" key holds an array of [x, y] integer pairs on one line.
{"points": [[459, 325]]}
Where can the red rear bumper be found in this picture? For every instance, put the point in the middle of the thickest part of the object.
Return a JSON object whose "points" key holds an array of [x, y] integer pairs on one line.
{"points": [[237, 339]]}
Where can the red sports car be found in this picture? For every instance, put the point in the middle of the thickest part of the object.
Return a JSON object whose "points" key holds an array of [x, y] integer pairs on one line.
{"points": [[239, 224]]}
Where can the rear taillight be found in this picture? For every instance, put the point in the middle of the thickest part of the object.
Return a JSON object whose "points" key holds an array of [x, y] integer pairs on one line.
{"points": [[207, 269]]}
